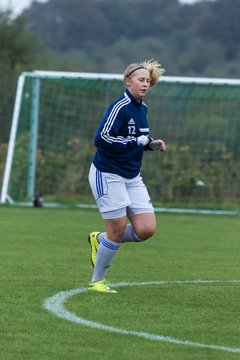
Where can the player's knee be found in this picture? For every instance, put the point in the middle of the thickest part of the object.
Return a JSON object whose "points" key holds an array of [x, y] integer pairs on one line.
{"points": [[146, 233], [116, 234]]}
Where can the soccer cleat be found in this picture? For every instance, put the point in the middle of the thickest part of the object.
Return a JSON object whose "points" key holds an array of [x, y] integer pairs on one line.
{"points": [[101, 286], [94, 244]]}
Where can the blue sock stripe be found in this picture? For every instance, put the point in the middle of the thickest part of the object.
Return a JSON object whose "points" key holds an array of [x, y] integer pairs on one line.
{"points": [[109, 245]]}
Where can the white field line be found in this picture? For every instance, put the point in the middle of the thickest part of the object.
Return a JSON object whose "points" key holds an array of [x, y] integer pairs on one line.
{"points": [[55, 305]]}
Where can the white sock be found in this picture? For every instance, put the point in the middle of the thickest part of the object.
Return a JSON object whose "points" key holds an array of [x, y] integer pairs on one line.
{"points": [[128, 236], [105, 254]]}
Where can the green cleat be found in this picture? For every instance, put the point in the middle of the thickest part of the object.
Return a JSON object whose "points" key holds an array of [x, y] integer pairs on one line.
{"points": [[92, 239], [101, 286]]}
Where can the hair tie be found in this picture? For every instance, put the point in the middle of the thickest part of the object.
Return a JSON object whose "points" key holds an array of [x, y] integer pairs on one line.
{"points": [[140, 67]]}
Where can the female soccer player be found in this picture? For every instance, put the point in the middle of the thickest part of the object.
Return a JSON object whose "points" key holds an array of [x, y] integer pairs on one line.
{"points": [[114, 176]]}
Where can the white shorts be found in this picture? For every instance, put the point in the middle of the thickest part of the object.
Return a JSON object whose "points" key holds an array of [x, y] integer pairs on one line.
{"points": [[117, 196]]}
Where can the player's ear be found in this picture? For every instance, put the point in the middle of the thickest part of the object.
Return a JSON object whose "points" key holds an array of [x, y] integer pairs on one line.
{"points": [[127, 81]]}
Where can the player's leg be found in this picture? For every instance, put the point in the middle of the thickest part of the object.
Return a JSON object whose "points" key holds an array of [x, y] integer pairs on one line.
{"points": [[144, 225], [105, 187], [108, 246], [112, 198], [106, 251], [140, 212]]}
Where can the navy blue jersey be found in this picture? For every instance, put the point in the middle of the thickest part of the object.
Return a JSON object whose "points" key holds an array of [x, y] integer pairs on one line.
{"points": [[116, 137]]}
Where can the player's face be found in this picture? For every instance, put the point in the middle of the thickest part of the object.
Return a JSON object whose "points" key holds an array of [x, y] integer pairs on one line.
{"points": [[138, 84]]}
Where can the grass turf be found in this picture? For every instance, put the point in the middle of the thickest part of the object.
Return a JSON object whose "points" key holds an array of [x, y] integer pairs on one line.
{"points": [[44, 251]]}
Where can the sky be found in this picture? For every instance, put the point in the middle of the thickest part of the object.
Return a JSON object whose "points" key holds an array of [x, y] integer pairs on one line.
{"points": [[17, 6]]}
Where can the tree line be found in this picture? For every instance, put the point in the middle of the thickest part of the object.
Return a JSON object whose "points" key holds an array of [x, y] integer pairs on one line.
{"points": [[105, 35]]}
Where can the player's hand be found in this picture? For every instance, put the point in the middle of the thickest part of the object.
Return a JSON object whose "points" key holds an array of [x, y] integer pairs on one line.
{"points": [[158, 145], [143, 140]]}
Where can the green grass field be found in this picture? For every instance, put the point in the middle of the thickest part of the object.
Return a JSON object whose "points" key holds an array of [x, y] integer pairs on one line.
{"points": [[45, 251]]}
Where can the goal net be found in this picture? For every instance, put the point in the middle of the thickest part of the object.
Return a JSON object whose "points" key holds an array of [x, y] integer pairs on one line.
{"points": [[56, 115]]}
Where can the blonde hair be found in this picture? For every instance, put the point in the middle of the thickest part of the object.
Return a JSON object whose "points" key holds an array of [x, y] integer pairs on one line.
{"points": [[155, 70]]}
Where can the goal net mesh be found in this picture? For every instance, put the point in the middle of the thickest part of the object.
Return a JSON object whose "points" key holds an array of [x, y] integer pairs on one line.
{"points": [[198, 121]]}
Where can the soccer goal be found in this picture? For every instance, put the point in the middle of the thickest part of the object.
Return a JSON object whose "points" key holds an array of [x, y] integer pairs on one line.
{"points": [[54, 121]]}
